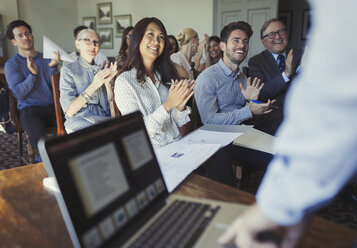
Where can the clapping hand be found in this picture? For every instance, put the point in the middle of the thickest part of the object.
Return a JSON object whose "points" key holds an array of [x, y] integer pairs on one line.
{"points": [[251, 92], [179, 93], [261, 108], [105, 75], [55, 60], [31, 65], [289, 65]]}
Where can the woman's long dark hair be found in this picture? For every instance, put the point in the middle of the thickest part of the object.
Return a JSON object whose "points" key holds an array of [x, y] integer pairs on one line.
{"points": [[124, 46], [177, 45], [162, 64]]}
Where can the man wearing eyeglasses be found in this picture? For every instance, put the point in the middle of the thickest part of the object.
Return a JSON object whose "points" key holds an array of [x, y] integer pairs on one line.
{"points": [[29, 77], [100, 59], [275, 67]]}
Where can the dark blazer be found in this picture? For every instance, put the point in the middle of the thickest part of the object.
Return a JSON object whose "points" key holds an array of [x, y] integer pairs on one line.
{"points": [[264, 67]]}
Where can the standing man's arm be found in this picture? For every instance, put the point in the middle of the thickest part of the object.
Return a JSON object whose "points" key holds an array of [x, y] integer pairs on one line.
{"points": [[317, 158]]}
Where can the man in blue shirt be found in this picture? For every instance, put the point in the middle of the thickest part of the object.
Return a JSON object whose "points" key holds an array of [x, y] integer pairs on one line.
{"points": [[224, 95], [29, 77]]}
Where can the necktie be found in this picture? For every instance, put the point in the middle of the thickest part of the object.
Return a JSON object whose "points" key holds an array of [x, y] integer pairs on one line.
{"points": [[281, 61]]}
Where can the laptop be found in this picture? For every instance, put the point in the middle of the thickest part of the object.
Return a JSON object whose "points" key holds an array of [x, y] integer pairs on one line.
{"points": [[113, 193]]}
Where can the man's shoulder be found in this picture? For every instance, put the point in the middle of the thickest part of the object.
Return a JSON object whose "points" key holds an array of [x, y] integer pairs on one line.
{"points": [[209, 78], [259, 57], [14, 61], [212, 71]]}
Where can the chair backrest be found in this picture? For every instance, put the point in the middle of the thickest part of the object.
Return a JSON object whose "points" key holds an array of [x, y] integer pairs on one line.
{"points": [[14, 114], [58, 109]]}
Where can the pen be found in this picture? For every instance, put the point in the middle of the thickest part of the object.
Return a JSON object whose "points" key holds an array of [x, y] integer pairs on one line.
{"points": [[271, 106]]}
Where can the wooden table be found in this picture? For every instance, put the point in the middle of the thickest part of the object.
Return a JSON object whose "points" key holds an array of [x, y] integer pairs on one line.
{"points": [[30, 216]]}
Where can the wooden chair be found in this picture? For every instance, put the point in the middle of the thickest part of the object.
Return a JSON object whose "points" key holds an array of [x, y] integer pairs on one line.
{"points": [[15, 121], [58, 109], [14, 117]]}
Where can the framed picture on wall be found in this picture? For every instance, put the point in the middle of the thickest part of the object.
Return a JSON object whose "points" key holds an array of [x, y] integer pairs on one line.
{"points": [[286, 17], [306, 23], [121, 23], [106, 37], [104, 13], [89, 21]]}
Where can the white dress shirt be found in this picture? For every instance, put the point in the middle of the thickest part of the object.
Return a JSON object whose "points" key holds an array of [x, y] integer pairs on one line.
{"points": [[317, 142], [148, 97]]}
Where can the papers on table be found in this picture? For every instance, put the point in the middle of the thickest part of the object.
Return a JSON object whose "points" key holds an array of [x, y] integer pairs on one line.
{"points": [[49, 48], [210, 137], [257, 140], [251, 137], [177, 160]]}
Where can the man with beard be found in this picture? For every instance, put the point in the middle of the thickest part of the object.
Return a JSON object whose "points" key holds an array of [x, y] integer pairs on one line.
{"points": [[276, 68], [224, 95], [29, 77]]}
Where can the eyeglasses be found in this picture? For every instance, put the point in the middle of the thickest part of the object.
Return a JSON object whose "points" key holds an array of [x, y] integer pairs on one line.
{"points": [[89, 42], [272, 35]]}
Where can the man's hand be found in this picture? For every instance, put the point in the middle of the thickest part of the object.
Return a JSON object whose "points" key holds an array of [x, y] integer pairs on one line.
{"points": [[55, 60], [289, 65], [260, 108], [31, 65], [244, 230], [251, 92]]}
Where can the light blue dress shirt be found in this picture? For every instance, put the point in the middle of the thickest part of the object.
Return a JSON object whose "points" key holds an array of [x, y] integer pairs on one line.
{"points": [[317, 142], [219, 97]]}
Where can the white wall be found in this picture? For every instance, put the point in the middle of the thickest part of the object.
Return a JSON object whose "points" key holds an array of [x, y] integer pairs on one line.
{"points": [[55, 19], [176, 15], [8, 10]]}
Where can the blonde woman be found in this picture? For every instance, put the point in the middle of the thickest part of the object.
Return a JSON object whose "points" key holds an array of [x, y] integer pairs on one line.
{"points": [[189, 47]]}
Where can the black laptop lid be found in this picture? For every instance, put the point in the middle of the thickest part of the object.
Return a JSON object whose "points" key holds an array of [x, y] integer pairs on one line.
{"points": [[109, 178]]}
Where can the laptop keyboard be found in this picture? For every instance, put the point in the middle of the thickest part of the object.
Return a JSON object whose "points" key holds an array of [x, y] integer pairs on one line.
{"points": [[180, 225]]}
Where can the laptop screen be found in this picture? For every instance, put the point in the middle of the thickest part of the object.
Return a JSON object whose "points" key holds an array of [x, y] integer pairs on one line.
{"points": [[109, 178]]}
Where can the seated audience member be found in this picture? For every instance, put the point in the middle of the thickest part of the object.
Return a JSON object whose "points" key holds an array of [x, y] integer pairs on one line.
{"points": [[173, 44], [213, 50], [276, 68], [224, 95], [29, 77], [125, 42], [189, 42], [144, 85], [317, 158], [85, 91], [100, 59]]}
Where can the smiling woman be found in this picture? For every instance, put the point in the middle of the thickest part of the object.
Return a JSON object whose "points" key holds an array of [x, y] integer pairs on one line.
{"points": [[85, 91], [143, 84]]}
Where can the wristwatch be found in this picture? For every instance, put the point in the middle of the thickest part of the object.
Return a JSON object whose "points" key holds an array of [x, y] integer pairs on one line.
{"points": [[86, 96]]}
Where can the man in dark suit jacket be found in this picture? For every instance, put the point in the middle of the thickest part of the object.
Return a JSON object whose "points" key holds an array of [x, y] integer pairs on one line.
{"points": [[275, 68]]}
